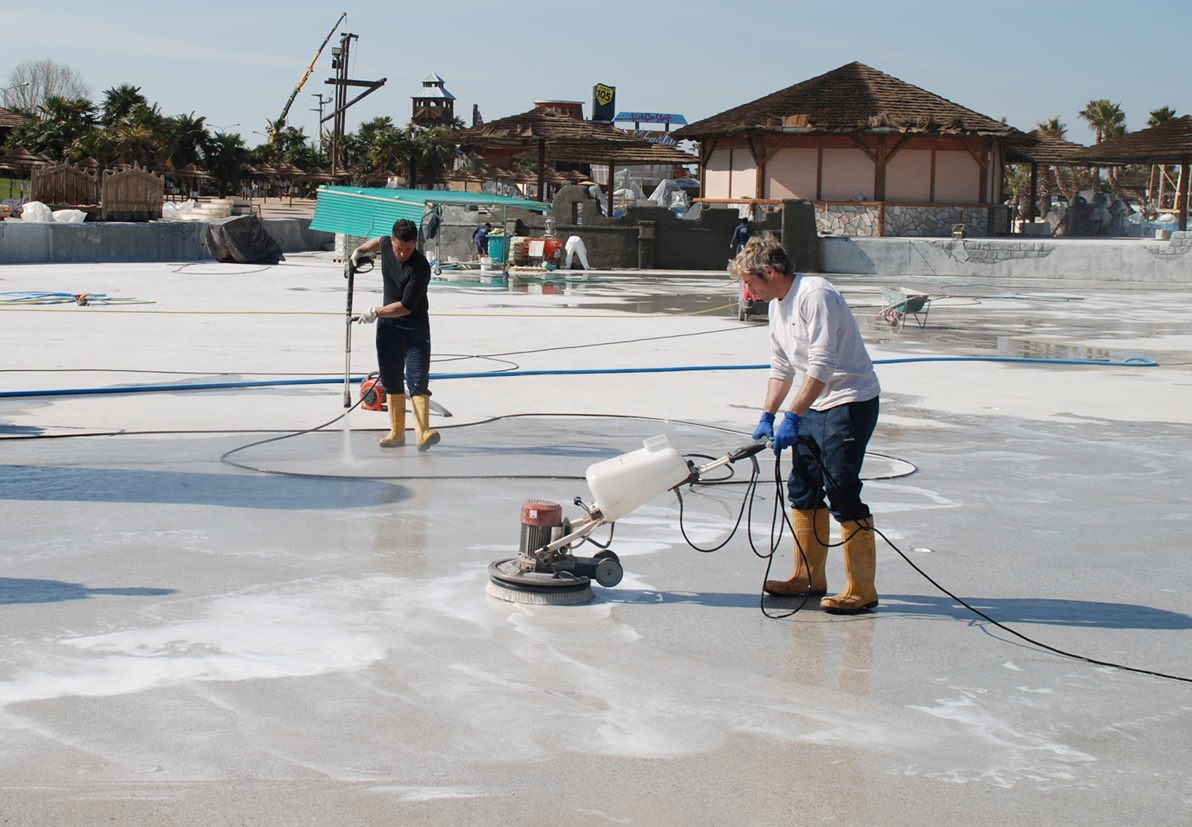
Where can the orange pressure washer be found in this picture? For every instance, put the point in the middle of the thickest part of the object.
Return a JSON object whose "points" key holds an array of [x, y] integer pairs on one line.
{"points": [[372, 392]]}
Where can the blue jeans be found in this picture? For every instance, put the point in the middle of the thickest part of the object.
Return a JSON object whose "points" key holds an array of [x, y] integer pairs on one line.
{"points": [[831, 465], [403, 352]]}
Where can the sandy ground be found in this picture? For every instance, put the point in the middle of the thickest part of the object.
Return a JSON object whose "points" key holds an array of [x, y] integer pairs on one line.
{"points": [[229, 606]]}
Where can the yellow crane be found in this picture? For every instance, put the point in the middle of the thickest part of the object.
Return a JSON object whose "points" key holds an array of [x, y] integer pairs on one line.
{"points": [[280, 123]]}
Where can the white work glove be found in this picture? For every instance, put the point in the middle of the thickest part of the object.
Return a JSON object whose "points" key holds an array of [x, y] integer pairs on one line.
{"points": [[355, 259], [368, 316]]}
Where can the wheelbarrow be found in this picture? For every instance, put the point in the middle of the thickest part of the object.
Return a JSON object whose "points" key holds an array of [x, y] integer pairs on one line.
{"points": [[898, 303]]}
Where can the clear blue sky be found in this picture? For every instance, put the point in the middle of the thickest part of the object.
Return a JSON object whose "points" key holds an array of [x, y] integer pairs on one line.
{"points": [[238, 62]]}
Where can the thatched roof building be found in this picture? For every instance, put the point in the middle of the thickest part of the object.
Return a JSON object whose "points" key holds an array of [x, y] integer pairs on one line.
{"points": [[855, 135], [852, 99], [1167, 143], [543, 136]]}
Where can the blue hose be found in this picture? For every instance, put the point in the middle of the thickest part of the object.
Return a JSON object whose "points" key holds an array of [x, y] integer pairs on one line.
{"points": [[1131, 361]]}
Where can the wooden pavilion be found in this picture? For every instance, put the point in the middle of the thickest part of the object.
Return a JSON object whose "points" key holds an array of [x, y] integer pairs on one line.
{"points": [[1167, 143], [878, 156], [1049, 151], [543, 136]]}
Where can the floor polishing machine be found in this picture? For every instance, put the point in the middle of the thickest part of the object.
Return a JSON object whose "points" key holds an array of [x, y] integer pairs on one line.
{"points": [[545, 571]]}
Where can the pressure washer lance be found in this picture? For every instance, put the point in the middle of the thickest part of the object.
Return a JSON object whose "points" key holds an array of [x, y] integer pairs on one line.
{"points": [[362, 265], [546, 571]]}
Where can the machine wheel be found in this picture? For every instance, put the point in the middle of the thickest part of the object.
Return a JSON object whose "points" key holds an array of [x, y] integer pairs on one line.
{"points": [[608, 569]]}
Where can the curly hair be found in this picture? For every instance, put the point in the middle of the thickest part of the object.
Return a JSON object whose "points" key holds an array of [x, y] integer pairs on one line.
{"points": [[760, 252]]}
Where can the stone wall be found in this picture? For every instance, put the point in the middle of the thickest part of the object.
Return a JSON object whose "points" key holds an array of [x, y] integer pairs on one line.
{"points": [[863, 219], [1128, 260], [35, 242]]}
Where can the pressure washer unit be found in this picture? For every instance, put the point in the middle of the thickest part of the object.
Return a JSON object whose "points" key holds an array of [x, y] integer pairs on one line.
{"points": [[372, 393], [545, 571]]}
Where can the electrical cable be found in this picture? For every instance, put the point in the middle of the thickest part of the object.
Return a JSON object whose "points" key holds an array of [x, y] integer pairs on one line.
{"points": [[745, 513], [751, 490], [831, 484], [775, 539]]}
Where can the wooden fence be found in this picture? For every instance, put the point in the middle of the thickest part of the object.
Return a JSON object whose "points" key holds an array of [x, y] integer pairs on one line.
{"points": [[64, 185], [127, 194], [133, 194]]}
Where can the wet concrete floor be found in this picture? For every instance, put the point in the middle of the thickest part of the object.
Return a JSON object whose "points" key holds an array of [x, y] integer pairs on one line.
{"points": [[229, 606]]}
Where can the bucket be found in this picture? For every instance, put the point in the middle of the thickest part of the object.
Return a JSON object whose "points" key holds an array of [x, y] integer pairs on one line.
{"points": [[621, 484], [496, 248], [486, 263]]}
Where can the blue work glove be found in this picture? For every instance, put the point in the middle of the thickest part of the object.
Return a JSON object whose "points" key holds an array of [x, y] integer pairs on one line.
{"points": [[787, 432], [765, 428]]}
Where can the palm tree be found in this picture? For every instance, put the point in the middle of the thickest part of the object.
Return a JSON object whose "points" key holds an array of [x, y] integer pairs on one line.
{"points": [[143, 135], [1107, 121], [1018, 186], [376, 146], [186, 140], [226, 153], [96, 143], [1158, 116], [119, 101], [1055, 128], [54, 126], [436, 154]]}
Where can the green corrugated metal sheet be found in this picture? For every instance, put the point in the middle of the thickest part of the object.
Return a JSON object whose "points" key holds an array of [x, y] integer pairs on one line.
{"points": [[370, 212]]}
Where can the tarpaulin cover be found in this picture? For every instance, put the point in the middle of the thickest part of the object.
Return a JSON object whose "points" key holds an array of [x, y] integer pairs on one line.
{"points": [[242, 239], [370, 212]]}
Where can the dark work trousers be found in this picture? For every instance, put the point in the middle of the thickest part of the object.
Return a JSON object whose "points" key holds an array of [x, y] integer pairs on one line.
{"points": [[403, 353], [832, 464]]}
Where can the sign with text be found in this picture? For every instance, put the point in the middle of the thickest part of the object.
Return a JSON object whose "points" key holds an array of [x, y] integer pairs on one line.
{"points": [[604, 102]]}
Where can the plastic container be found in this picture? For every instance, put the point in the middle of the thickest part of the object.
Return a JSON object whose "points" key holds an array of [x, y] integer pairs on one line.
{"points": [[622, 484], [496, 248]]}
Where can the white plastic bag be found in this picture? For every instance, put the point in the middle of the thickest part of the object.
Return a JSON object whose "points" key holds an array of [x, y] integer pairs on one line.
{"points": [[36, 211], [69, 216]]}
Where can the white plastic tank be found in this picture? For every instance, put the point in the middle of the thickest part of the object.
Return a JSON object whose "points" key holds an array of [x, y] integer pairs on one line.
{"points": [[622, 484]]}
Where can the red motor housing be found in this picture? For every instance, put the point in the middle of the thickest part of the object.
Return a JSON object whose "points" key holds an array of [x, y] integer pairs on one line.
{"points": [[538, 519]]}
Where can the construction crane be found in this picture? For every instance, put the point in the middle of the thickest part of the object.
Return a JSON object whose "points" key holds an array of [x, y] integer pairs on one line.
{"points": [[280, 123]]}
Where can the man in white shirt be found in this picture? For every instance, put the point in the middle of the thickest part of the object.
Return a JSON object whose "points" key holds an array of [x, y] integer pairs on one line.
{"points": [[827, 424]]}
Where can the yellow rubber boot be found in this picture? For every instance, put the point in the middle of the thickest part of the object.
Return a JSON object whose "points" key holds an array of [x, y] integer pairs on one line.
{"points": [[396, 402], [860, 565], [811, 553], [426, 437]]}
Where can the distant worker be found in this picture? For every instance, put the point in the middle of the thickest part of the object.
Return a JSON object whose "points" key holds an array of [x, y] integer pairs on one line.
{"points": [[403, 332], [740, 236], [480, 239], [575, 247], [827, 425]]}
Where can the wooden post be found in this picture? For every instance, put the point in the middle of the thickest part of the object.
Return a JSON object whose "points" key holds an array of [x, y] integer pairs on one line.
{"points": [[1183, 193], [1031, 208]]}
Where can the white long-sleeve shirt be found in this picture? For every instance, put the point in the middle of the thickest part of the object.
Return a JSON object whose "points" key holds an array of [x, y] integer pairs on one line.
{"points": [[812, 331]]}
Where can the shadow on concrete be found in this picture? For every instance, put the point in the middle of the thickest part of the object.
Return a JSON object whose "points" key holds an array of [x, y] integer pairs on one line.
{"points": [[49, 484], [13, 590], [1044, 611], [20, 430]]}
